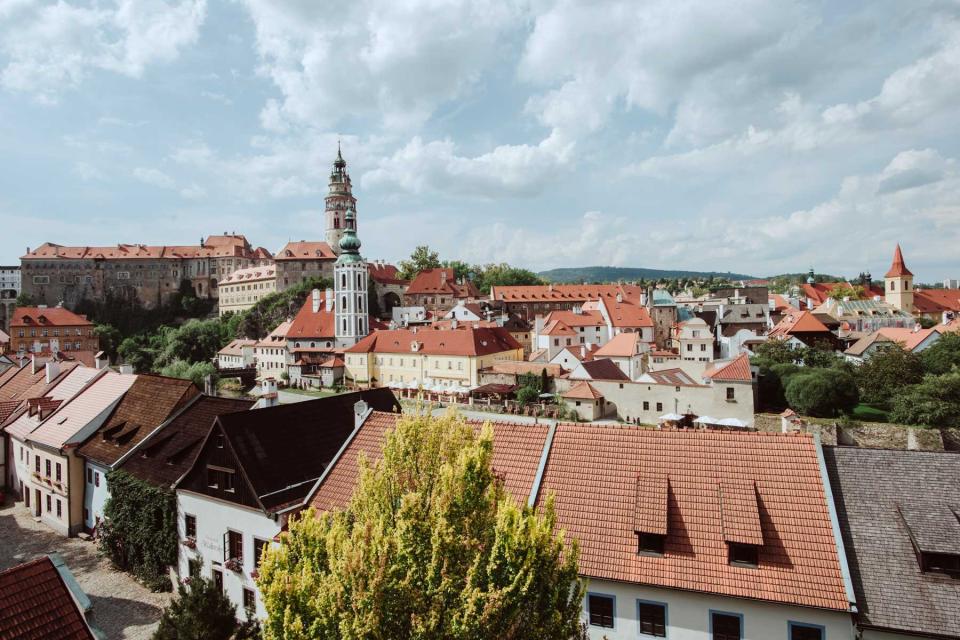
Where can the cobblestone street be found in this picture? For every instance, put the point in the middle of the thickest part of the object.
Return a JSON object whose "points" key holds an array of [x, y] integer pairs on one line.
{"points": [[122, 608]]}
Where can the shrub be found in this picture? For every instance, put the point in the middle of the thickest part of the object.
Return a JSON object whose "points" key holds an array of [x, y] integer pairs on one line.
{"points": [[822, 393]]}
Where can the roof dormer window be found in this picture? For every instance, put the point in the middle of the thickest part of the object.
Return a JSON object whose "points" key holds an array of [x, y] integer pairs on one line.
{"points": [[743, 555]]}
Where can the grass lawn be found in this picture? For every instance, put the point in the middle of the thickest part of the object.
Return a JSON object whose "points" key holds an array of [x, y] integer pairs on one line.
{"points": [[869, 413]]}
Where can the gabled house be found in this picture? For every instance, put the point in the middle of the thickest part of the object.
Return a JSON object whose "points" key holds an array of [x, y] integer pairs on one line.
{"points": [[598, 369], [691, 535], [913, 340], [627, 351], [271, 353], [150, 402], [803, 329], [239, 354], [56, 479], [251, 471], [898, 513], [436, 289]]}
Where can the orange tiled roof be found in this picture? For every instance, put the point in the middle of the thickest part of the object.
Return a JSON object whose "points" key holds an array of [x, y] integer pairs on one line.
{"points": [[250, 274], [565, 292], [737, 370], [213, 247], [558, 328], [622, 345], [304, 250], [798, 322], [698, 488], [911, 339], [385, 273], [673, 377], [583, 391], [47, 317], [516, 456], [432, 281], [458, 342], [585, 318], [36, 603], [898, 267], [798, 562], [936, 300]]}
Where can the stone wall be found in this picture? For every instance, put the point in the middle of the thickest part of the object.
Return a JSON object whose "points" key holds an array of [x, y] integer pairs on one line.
{"points": [[871, 434]]}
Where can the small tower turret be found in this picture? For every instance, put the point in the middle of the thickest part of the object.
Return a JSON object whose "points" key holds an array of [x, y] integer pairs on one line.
{"points": [[339, 199], [351, 315], [898, 283]]}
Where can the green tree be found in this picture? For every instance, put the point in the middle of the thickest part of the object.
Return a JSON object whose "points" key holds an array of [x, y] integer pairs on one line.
{"points": [[461, 270], [943, 355], [775, 351], [526, 395], [137, 352], [264, 316], [430, 547], [195, 372], [887, 371], [844, 290], [771, 384], [822, 393], [110, 339], [24, 300], [202, 612], [503, 275], [194, 341], [421, 259], [935, 402]]}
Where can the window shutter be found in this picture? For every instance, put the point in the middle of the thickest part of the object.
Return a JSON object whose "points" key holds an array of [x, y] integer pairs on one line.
{"points": [[226, 546]]}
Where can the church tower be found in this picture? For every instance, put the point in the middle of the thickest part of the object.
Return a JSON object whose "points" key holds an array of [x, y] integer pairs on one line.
{"points": [[350, 287], [339, 200], [898, 284]]}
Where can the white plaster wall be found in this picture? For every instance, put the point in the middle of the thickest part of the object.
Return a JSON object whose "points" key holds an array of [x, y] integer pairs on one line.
{"points": [[688, 614], [214, 518], [709, 400], [94, 497]]}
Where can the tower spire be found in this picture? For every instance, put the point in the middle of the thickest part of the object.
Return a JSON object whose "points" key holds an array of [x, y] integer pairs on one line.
{"points": [[898, 267], [339, 200]]}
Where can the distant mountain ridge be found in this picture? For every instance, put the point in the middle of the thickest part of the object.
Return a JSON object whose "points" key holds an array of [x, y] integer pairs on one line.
{"points": [[613, 274]]}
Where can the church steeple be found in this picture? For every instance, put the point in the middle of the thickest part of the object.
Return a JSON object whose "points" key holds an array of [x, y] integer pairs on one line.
{"points": [[339, 200], [350, 281], [898, 283]]}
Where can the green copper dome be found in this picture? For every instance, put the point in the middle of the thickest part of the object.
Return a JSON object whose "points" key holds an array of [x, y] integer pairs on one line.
{"points": [[349, 243]]}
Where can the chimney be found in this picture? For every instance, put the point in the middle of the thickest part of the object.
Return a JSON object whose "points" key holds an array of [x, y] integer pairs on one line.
{"points": [[643, 298], [101, 361], [127, 370], [208, 387], [268, 392], [53, 370], [328, 297], [453, 323], [360, 412], [916, 328], [34, 365], [315, 295], [619, 296]]}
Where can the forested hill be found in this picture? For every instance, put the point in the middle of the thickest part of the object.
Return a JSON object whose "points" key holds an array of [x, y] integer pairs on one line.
{"points": [[613, 274]]}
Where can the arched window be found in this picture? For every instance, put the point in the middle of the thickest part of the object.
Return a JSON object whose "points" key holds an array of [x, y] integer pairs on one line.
{"points": [[336, 222], [343, 303], [343, 280], [359, 281]]}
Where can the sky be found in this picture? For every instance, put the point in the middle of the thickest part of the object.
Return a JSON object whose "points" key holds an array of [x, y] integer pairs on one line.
{"points": [[756, 136]]}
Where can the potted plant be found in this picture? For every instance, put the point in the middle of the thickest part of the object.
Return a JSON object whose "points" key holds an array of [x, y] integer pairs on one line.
{"points": [[233, 565], [190, 542]]}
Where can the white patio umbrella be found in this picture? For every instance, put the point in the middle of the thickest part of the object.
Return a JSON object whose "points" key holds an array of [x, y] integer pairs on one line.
{"points": [[706, 420], [732, 422], [670, 417]]}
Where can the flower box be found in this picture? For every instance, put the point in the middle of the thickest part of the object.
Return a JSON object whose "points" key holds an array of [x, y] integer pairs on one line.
{"points": [[190, 543], [233, 565], [254, 574]]}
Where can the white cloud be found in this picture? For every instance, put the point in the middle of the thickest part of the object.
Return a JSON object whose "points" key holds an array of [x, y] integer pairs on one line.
{"points": [[87, 172], [216, 97], [154, 177], [392, 62], [913, 197], [46, 49]]}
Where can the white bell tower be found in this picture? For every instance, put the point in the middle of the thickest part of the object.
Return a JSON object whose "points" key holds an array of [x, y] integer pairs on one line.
{"points": [[351, 315]]}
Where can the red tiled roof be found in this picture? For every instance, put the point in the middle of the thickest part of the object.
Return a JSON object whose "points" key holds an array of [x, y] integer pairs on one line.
{"points": [[569, 318], [908, 337], [627, 315], [798, 322], [936, 300], [565, 292], [610, 482], [36, 604], [430, 281], [213, 247], [250, 274], [304, 250], [458, 342], [516, 456], [672, 377], [820, 291], [592, 472], [583, 391], [308, 324], [737, 370], [558, 328], [897, 268], [385, 273], [47, 317], [236, 347]]}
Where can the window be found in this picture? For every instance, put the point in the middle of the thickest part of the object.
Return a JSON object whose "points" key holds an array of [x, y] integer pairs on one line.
{"points": [[190, 526], [726, 626], [600, 608], [646, 405], [213, 478], [803, 631], [227, 480], [703, 347], [96, 479], [59, 508], [89, 476], [49, 504], [730, 394], [653, 618], [58, 474], [659, 406], [744, 555], [48, 468], [218, 580], [193, 568], [258, 546], [234, 546], [650, 543], [941, 563], [249, 600], [689, 347], [219, 441]]}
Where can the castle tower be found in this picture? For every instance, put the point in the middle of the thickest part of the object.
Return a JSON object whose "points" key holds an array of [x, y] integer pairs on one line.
{"points": [[898, 284], [338, 201], [351, 314]]}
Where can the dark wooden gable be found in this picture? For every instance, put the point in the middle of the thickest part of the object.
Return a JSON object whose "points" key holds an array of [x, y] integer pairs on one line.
{"points": [[218, 458]]}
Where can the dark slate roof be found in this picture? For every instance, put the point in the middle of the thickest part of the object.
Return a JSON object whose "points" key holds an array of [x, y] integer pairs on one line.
{"points": [[282, 449], [36, 604], [604, 369], [149, 402], [882, 497], [170, 452]]}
